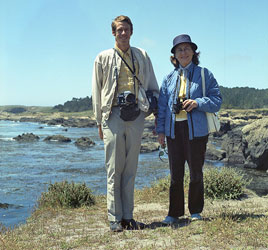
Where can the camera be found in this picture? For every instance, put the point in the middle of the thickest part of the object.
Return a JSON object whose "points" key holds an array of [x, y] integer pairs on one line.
{"points": [[129, 110], [152, 101], [177, 107], [126, 98]]}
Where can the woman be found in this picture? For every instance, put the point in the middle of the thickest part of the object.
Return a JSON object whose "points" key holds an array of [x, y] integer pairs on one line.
{"points": [[182, 121]]}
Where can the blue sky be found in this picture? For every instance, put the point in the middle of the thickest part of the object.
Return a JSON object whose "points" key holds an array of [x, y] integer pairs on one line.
{"points": [[47, 47]]}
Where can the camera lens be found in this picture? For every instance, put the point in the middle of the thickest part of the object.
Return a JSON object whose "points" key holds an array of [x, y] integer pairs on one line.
{"points": [[130, 98]]}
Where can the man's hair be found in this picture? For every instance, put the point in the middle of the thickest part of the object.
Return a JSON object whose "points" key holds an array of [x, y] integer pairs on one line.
{"points": [[121, 19], [195, 59]]}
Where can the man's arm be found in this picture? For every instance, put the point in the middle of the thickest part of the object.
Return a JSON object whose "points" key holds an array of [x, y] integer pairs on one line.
{"points": [[153, 85], [97, 78]]}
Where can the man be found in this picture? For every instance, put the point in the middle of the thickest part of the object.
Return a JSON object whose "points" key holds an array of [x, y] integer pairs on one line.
{"points": [[123, 69]]}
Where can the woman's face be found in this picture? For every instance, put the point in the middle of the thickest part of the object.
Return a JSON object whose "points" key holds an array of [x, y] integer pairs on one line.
{"points": [[184, 54]]}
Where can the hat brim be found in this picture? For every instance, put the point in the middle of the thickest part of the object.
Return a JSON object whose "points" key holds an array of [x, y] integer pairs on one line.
{"points": [[193, 45]]}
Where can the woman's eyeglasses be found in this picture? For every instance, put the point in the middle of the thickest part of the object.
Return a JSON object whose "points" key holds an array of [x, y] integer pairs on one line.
{"points": [[186, 50]]}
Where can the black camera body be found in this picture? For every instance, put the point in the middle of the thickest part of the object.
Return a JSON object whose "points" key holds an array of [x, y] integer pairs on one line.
{"points": [[152, 101], [177, 107], [126, 98], [129, 110]]}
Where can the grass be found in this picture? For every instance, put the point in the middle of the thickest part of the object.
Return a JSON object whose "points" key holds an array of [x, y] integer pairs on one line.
{"points": [[42, 113], [44, 109], [227, 224]]}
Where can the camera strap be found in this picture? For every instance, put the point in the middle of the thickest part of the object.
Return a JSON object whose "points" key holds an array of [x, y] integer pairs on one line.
{"points": [[176, 88], [130, 69], [134, 69], [177, 81]]}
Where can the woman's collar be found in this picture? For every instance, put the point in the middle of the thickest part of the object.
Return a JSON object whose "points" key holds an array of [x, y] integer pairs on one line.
{"points": [[187, 67]]}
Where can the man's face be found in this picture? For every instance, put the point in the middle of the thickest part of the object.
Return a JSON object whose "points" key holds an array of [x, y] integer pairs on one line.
{"points": [[122, 33]]}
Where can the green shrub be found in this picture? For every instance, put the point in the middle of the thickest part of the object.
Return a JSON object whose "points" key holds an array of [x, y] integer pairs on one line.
{"points": [[67, 195], [224, 183], [161, 185]]}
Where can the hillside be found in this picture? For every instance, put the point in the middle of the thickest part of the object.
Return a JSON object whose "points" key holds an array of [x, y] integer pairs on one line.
{"points": [[244, 98], [233, 98]]}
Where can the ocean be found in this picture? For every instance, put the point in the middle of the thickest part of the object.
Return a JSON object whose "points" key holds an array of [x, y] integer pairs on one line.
{"points": [[27, 169]]}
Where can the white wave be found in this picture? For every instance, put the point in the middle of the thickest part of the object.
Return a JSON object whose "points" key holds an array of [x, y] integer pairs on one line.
{"points": [[10, 124], [7, 139]]}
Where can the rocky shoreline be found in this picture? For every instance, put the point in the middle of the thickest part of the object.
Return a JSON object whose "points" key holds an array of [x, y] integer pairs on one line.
{"points": [[242, 139], [241, 142]]}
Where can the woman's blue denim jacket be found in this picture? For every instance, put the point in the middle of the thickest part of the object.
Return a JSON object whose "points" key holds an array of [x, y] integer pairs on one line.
{"points": [[197, 121]]}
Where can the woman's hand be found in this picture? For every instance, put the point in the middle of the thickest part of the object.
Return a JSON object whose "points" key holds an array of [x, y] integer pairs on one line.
{"points": [[161, 139], [189, 105]]}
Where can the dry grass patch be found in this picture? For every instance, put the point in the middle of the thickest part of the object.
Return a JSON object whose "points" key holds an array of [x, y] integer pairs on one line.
{"points": [[234, 224]]}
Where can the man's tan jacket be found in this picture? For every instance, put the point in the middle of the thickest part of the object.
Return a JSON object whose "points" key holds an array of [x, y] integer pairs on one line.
{"points": [[104, 81]]}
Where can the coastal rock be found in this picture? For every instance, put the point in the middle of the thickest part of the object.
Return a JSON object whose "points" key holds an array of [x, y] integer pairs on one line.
{"points": [[57, 138], [233, 146], [72, 122], [240, 118], [28, 137], [149, 140], [149, 124], [148, 136], [149, 147], [4, 205], [225, 127], [81, 123], [229, 123], [224, 114], [56, 121], [255, 137], [84, 142], [248, 145], [214, 154], [29, 119], [16, 110], [247, 117]]}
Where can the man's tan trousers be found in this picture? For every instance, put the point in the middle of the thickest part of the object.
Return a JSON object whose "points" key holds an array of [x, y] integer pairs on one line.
{"points": [[122, 141]]}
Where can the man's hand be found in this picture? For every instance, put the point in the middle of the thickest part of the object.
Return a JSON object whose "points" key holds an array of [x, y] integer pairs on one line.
{"points": [[100, 132], [155, 124]]}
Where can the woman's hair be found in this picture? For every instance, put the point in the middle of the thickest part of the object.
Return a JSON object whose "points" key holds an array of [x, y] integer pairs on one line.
{"points": [[195, 59], [121, 19]]}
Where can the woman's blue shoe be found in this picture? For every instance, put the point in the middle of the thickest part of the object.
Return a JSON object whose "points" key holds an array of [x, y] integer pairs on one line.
{"points": [[169, 220], [195, 217]]}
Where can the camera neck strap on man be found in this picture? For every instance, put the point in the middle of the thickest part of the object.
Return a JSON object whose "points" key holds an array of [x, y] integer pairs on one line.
{"points": [[133, 71], [132, 58], [129, 110]]}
